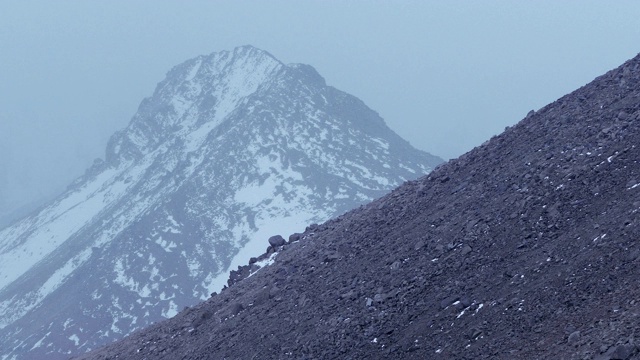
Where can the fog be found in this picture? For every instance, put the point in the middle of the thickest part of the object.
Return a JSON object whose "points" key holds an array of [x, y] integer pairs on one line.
{"points": [[446, 76]]}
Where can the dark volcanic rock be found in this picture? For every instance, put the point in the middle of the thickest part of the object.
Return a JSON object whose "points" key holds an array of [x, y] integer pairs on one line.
{"points": [[276, 241], [295, 237], [529, 235]]}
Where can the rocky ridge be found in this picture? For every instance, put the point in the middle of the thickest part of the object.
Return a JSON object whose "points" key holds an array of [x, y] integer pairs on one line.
{"points": [[526, 247]]}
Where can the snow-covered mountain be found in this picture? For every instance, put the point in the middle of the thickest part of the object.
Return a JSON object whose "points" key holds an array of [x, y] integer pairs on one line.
{"points": [[232, 148]]}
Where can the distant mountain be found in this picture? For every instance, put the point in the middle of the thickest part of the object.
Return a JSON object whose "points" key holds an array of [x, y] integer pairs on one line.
{"points": [[232, 148], [9, 217], [527, 247]]}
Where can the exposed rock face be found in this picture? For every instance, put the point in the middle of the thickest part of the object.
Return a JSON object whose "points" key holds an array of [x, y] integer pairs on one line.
{"points": [[527, 247], [231, 148]]}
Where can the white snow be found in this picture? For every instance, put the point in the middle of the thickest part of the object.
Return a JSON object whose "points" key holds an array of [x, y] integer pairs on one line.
{"points": [[50, 229], [232, 88], [599, 237], [409, 169], [167, 245], [194, 70], [381, 142], [257, 244], [364, 173], [194, 267], [195, 139], [171, 311], [30, 241], [12, 309], [58, 277], [75, 339], [284, 214], [173, 221], [268, 261], [39, 342], [173, 227], [145, 291], [123, 279], [114, 328]]}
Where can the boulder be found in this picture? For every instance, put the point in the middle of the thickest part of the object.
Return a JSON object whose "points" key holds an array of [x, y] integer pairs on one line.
{"points": [[295, 237], [276, 241]]}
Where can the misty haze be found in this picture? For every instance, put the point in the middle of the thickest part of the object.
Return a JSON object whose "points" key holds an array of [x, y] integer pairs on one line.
{"points": [[319, 180]]}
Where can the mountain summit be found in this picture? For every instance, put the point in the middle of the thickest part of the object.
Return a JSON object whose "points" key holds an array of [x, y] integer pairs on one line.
{"points": [[527, 247], [232, 148]]}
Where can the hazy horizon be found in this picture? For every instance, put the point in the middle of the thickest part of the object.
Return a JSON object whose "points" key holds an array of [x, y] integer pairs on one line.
{"points": [[445, 76]]}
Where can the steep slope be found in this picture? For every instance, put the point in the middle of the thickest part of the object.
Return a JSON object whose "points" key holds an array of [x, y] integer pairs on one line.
{"points": [[231, 148], [524, 248]]}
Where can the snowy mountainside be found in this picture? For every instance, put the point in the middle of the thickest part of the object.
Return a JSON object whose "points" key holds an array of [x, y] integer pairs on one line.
{"points": [[231, 148]]}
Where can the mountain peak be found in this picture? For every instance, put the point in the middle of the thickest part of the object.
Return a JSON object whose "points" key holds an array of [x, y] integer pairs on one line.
{"points": [[308, 73], [201, 90], [232, 148]]}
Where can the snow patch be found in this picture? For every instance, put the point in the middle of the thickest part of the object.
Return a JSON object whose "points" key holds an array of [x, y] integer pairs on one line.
{"points": [[268, 261], [171, 311], [75, 339], [39, 342], [478, 309], [61, 274], [194, 70], [382, 143]]}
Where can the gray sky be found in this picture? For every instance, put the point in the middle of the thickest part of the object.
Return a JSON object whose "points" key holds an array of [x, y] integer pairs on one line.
{"points": [[445, 75]]}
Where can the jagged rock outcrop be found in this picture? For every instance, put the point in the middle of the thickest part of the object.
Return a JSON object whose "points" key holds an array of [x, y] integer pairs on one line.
{"points": [[526, 247]]}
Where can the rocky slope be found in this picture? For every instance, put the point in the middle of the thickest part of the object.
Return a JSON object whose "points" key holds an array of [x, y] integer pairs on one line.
{"points": [[526, 247], [231, 147]]}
